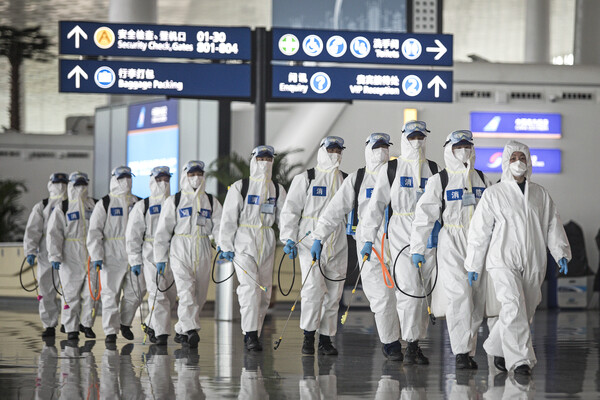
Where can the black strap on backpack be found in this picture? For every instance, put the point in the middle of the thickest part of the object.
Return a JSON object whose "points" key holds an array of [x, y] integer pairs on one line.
{"points": [[45, 202], [65, 206], [146, 205], [246, 183], [433, 167], [311, 175], [344, 175], [360, 175], [106, 202]]}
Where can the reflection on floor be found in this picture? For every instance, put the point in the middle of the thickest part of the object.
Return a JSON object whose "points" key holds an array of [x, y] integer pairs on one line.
{"points": [[566, 343]]}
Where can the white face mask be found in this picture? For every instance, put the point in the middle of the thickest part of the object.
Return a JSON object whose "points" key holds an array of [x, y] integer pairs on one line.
{"points": [[417, 143], [335, 159], [80, 191], [518, 168], [125, 184], [381, 155], [57, 189], [163, 187], [263, 167], [462, 155], [195, 181]]}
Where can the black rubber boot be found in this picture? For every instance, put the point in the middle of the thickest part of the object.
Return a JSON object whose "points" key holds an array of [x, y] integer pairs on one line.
{"points": [[49, 332], [150, 332], [326, 347], [414, 355], [62, 329], [161, 340], [393, 351], [500, 363], [127, 349], [464, 361], [126, 332], [252, 342], [193, 339], [111, 338], [180, 338], [89, 333], [73, 336], [308, 345], [523, 369]]}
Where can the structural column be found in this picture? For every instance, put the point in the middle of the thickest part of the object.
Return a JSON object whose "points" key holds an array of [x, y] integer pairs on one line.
{"points": [[587, 32], [537, 32]]}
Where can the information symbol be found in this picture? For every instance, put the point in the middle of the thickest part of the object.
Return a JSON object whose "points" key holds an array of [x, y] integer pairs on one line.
{"points": [[411, 48], [320, 82], [412, 85]]}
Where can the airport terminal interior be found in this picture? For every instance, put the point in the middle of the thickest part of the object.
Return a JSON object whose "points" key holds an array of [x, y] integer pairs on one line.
{"points": [[299, 199]]}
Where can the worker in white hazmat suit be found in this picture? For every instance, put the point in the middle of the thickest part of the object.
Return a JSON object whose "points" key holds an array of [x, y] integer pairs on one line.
{"points": [[34, 244], [451, 198], [139, 240], [309, 194], [67, 232], [358, 186], [106, 246], [251, 208], [400, 185], [514, 223], [181, 239]]}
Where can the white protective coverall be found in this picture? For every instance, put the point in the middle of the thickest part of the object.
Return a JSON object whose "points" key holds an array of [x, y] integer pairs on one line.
{"points": [[303, 206], [34, 242], [106, 242], [411, 177], [247, 231], [140, 250], [381, 299], [182, 238], [509, 234], [465, 309], [67, 233]]}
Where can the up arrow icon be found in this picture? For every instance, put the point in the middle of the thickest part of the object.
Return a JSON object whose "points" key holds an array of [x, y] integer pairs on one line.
{"points": [[440, 49], [77, 32], [78, 72], [437, 82]]}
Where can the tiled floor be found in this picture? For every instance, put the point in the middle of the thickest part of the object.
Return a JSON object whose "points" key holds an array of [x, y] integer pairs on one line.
{"points": [[566, 343]]}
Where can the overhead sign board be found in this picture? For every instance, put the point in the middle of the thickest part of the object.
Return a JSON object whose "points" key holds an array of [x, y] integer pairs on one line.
{"points": [[362, 47], [314, 83], [544, 161], [153, 140], [516, 125], [144, 40], [168, 79]]}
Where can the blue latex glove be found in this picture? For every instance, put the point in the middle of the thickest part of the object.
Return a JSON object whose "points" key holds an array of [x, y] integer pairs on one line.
{"points": [[472, 277], [418, 258], [563, 266], [227, 255], [55, 265], [136, 269], [315, 250], [97, 264], [31, 259], [160, 267], [291, 249], [366, 250]]}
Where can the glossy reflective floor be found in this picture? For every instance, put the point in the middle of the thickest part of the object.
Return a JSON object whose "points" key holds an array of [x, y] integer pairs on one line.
{"points": [[566, 343]]}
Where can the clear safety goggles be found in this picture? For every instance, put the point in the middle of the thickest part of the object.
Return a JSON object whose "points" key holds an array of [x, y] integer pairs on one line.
{"points": [[460, 136], [160, 171], [376, 140], [194, 166], [331, 142], [263, 151], [79, 178], [122, 172], [59, 177], [415, 127]]}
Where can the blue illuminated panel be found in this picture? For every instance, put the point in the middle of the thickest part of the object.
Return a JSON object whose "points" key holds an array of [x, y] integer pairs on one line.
{"points": [[545, 161], [516, 125]]}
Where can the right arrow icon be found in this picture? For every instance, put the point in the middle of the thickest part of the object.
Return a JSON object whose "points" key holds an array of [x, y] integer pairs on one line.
{"points": [[77, 32], [78, 72], [437, 82], [440, 49]]}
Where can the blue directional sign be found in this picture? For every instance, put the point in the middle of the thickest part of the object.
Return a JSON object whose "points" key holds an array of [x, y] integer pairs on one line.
{"points": [[143, 40], [362, 47], [544, 161], [361, 84], [516, 125], [168, 79]]}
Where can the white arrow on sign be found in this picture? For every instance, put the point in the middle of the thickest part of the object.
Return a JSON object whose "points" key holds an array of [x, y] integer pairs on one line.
{"points": [[77, 32], [79, 72], [437, 81], [440, 49]]}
